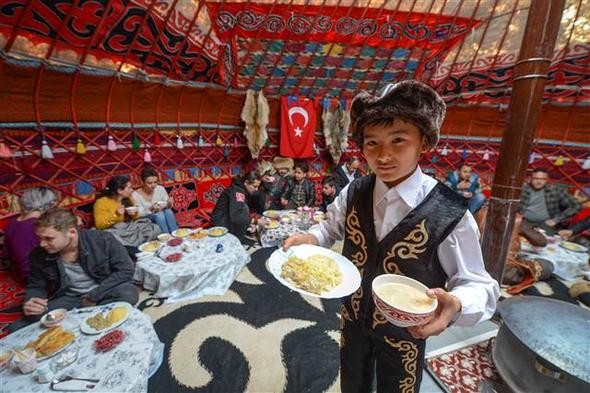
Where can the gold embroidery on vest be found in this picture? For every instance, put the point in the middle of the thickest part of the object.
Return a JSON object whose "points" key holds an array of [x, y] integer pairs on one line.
{"points": [[354, 234], [378, 319], [410, 354], [415, 239], [344, 313], [355, 302], [389, 266]]}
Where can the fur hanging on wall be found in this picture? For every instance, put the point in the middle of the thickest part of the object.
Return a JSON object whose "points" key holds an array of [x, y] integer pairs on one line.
{"points": [[336, 120], [255, 114]]}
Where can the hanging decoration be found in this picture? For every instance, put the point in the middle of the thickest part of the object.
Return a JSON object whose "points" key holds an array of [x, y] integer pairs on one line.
{"points": [[464, 154], [586, 164], [298, 125], [336, 122], [316, 149], [136, 144], [179, 143], [486, 155], [46, 152], [218, 141], [445, 151], [559, 161], [157, 139], [532, 157], [80, 147], [5, 151], [201, 141], [111, 145], [236, 142], [255, 114], [147, 157], [434, 159], [226, 151]]}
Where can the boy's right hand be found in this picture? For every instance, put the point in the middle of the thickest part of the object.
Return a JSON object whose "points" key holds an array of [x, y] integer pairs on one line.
{"points": [[35, 306], [300, 238]]}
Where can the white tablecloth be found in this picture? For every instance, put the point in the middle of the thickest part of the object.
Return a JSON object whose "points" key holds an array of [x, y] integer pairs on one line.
{"points": [[567, 265], [122, 369], [201, 271]]}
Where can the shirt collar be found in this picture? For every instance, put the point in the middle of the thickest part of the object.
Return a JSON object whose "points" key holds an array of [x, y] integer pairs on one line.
{"points": [[407, 190]]}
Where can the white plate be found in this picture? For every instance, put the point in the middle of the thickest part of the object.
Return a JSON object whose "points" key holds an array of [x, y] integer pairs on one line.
{"points": [[575, 247], [223, 231], [87, 329], [177, 232], [59, 350], [144, 245], [273, 214], [351, 278]]}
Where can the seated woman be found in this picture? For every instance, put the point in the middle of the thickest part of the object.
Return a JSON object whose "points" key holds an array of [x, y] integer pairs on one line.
{"points": [[115, 211], [234, 205], [153, 201], [19, 234]]}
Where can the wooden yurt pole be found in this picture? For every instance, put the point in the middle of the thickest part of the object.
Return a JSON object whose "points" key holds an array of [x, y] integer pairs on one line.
{"points": [[530, 75]]}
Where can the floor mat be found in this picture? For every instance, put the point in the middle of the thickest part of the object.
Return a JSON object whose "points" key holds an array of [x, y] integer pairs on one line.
{"points": [[280, 341], [12, 294], [462, 370]]}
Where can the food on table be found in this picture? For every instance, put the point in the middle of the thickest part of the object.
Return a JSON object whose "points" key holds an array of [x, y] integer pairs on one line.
{"points": [[182, 232], [573, 246], [315, 274], [197, 235], [150, 246], [272, 225], [174, 257], [101, 321], [174, 242], [217, 231], [109, 340], [405, 297], [117, 314], [51, 341], [98, 321], [271, 214], [5, 357]]}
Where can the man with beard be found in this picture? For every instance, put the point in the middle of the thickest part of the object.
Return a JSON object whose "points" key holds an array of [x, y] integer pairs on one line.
{"points": [[546, 205], [74, 268]]}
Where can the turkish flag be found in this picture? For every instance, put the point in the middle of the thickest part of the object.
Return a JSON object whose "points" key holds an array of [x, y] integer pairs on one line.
{"points": [[298, 123]]}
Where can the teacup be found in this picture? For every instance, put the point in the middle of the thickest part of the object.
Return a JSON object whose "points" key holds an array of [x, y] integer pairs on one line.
{"points": [[25, 360], [131, 209]]}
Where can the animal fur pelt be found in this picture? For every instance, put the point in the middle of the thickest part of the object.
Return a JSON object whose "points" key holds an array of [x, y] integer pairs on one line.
{"points": [[255, 114], [336, 124]]}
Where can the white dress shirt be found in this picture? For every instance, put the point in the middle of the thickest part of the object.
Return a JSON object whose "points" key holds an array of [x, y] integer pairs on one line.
{"points": [[349, 175], [459, 254]]}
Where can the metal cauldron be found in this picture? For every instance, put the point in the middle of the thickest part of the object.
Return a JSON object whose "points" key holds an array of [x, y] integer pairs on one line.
{"points": [[543, 345]]}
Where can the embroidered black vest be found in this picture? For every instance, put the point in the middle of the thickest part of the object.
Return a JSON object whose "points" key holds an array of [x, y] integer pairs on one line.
{"points": [[410, 249]]}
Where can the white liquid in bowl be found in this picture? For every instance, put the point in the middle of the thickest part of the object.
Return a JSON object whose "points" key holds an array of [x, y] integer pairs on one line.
{"points": [[405, 297]]}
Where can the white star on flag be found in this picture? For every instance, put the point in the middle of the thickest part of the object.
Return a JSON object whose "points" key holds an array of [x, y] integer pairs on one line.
{"points": [[298, 132]]}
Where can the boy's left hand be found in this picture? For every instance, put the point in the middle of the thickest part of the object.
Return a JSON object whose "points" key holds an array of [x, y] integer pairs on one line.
{"points": [[448, 306]]}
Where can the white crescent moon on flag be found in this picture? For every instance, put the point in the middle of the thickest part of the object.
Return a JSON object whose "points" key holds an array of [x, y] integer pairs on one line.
{"points": [[301, 111]]}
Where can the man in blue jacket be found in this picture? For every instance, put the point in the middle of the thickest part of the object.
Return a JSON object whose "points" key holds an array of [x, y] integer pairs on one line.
{"points": [[466, 183], [74, 268]]}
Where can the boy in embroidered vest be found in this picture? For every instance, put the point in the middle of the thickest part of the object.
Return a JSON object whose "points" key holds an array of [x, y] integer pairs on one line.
{"points": [[399, 220]]}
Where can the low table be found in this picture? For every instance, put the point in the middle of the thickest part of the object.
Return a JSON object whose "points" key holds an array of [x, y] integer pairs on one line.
{"points": [[126, 368], [204, 269], [567, 265]]}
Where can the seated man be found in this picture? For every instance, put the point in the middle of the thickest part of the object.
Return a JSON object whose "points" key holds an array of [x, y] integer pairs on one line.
{"points": [[466, 184], [74, 268], [546, 205], [347, 172], [329, 192]]}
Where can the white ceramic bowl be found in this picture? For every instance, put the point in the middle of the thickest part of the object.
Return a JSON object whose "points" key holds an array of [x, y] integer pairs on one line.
{"points": [[164, 237], [396, 315], [58, 314]]}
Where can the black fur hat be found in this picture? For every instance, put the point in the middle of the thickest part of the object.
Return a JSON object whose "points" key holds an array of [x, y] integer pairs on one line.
{"points": [[409, 100]]}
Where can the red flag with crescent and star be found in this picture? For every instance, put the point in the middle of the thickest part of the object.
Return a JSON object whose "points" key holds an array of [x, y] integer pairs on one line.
{"points": [[298, 124]]}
